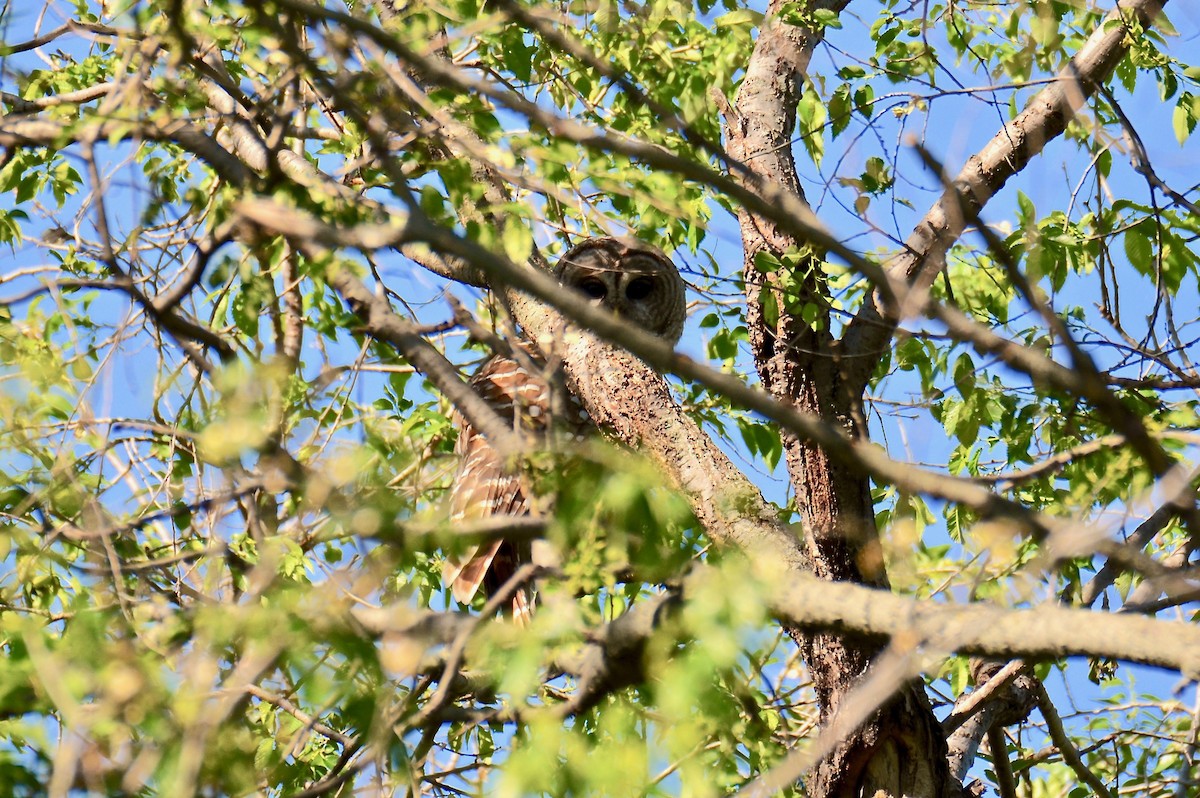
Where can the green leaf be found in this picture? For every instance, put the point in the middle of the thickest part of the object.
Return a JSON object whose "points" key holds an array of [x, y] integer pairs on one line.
{"points": [[741, 18], [1139, 250], [827, 18], [839, 109], [518, 241], [1183, 118], [1028, 215], [770, 307], [964, 375]]}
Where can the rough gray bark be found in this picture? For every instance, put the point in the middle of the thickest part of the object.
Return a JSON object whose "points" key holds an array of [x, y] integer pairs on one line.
{"points": [[900, 751]]}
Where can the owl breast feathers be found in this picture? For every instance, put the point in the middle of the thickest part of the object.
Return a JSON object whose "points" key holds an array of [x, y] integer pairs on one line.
{"points": [[633, 280]]}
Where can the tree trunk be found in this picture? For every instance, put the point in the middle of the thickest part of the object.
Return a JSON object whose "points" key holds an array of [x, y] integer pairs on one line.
{"points": [[900, 751]]}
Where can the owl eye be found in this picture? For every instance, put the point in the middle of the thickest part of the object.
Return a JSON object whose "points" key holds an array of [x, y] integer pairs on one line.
{"points": [[639, 288], [593, 288]]}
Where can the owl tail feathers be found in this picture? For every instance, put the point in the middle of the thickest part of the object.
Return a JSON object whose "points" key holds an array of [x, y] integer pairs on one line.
{"points": [[522, 608], [466, 575], [480, 568]]}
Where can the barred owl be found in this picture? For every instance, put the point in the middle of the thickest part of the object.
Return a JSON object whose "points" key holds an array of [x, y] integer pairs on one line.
{"points": [[630, 278]]}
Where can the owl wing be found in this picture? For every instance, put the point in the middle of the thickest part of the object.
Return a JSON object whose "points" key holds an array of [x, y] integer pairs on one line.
{"points": [[484, 487]]}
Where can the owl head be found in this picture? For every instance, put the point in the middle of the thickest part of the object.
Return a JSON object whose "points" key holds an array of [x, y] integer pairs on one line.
{"points": [[630, 278]]}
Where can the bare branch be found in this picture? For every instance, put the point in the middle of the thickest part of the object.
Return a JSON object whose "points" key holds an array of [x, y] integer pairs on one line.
{"points": [[1144, 533], [1006, 783], [18, 131], [523, 283], [1044, 632], [385, 325], [1066, 747]]}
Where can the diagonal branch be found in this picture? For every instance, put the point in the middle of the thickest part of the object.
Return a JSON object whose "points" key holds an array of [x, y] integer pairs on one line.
{"points": [[1044, 118], [530, 291], [1066, 747]]}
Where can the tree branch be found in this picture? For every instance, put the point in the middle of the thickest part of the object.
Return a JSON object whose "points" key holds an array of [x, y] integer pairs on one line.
{"points": [[1044, 118], [527, 289], [1062, 741]]}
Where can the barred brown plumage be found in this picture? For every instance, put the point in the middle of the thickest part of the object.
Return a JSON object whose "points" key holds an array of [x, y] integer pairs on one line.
{"points": [[484, 487], [626, 276]]}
